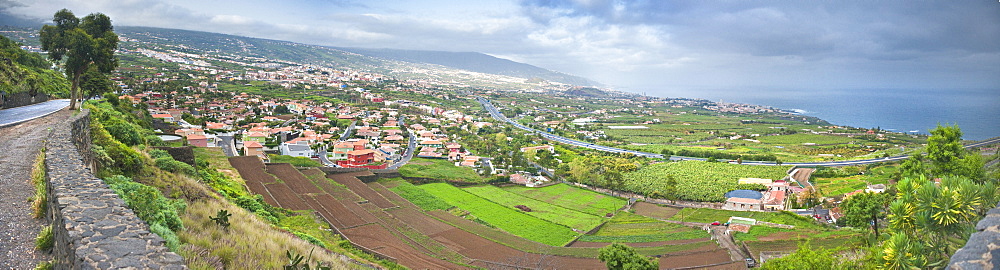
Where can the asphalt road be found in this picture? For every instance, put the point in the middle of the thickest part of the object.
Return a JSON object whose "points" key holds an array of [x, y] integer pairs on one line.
{"points": [[14, 116], [499, 116], [228, 145], [411, 147]]}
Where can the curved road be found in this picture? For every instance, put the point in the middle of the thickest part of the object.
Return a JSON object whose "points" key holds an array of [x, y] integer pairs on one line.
{"points": [[14, 116], [500, 117]]}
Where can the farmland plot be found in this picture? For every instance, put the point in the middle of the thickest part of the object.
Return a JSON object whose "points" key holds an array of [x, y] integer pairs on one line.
{"points": [[697, 180], [552, 213], [505, 218], [567, 196]]}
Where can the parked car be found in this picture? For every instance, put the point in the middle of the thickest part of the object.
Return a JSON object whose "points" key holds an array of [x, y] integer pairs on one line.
{"points": [[716, 223]]}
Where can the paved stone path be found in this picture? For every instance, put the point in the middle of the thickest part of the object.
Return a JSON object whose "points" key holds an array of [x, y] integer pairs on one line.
{"points": [[20, 145]]}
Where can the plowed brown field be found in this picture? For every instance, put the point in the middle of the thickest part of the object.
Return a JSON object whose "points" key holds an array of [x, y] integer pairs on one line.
{"points": [[363, 190], [286, 197], [292, 178], [695, 259], [656, 211], [377, 238]]}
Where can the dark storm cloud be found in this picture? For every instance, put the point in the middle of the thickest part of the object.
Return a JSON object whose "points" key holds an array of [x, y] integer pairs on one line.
{"points": [[9, 18], [874, 30]]}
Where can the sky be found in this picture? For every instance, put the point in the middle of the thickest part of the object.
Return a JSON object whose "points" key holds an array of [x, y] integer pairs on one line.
{"points": [[640, 46]]}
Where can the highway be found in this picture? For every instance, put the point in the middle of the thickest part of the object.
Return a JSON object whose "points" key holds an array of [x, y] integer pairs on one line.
{"points": [[13, 116], [500, 117]]}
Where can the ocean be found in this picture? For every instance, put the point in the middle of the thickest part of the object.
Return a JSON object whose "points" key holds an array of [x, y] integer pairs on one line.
{"points": [[976, 112]]}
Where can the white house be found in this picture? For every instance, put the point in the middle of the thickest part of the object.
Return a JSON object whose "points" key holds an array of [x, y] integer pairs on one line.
{"points": [[301, 149]]}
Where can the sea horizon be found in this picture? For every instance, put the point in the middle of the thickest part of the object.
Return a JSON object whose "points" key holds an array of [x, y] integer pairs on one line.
{"points": [[975, 111]]}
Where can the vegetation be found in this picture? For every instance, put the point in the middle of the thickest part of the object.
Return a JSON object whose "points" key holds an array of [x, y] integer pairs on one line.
{"points": [[619, 257], [505, 218], [419, 197], [85, 43], [698, 181], [40, 200], [295, 161], [543, 210], [809, 257], [926, 221], [440, 169], [44, 240], [574, 198], [626, 227], [28, 72]]}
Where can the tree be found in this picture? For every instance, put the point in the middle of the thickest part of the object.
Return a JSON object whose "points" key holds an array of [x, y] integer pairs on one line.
{"points": [[86, 43], [618, 256], [865, 210], [93, 83], [805, 257], [944, 148]]}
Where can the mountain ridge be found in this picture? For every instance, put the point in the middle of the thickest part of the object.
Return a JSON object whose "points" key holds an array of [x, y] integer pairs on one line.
{"points": [[365, 57], [473, 61]]}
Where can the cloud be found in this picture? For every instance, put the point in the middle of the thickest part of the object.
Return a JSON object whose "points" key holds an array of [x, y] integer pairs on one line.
{"points": [[674, 43]]}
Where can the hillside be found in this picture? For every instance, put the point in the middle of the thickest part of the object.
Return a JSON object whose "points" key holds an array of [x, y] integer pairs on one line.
{"points": [[199, 42], [26, 72], [474, 61]]}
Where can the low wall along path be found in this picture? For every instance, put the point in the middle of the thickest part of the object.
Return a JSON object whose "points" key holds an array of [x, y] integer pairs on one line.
{"points": [[92, 226]]}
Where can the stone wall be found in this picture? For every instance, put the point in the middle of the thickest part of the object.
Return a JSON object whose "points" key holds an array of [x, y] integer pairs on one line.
{"points": [[21, 99], [92, 227], [982, 251]]}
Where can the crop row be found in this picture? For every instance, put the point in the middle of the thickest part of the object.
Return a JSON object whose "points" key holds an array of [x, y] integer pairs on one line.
{"points": [[505, 218], [543, 210], [567, 196], [696, 180]]}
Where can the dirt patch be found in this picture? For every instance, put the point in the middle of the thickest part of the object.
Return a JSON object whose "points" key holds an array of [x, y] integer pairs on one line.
{"points": [[715, 256], [362, 190], [251, 169], [21, 144], [420, 222], [292, 178], [655, 211], [377, 238], [337, 212], [286, 197]]}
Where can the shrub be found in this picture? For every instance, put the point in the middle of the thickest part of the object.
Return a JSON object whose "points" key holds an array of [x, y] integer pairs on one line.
{"points": [[169, 237], [169, 164], [157, 153], [154, 140], [256, 205], [39, 201], [149, 204], [125, 132], [123, 158], [44, 240], [309, 238], [44, 265]]}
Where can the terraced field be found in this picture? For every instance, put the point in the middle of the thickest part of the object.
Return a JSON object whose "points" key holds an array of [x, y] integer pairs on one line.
{"points": [[376, 218], [570, 197]]}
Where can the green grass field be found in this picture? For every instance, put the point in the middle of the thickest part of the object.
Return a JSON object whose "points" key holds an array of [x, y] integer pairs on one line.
{"points": [[567, 196], [834, 186], [543, 210], [439, 169], [419, 197], [505, 218], [631, 228], [295, 161]]}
